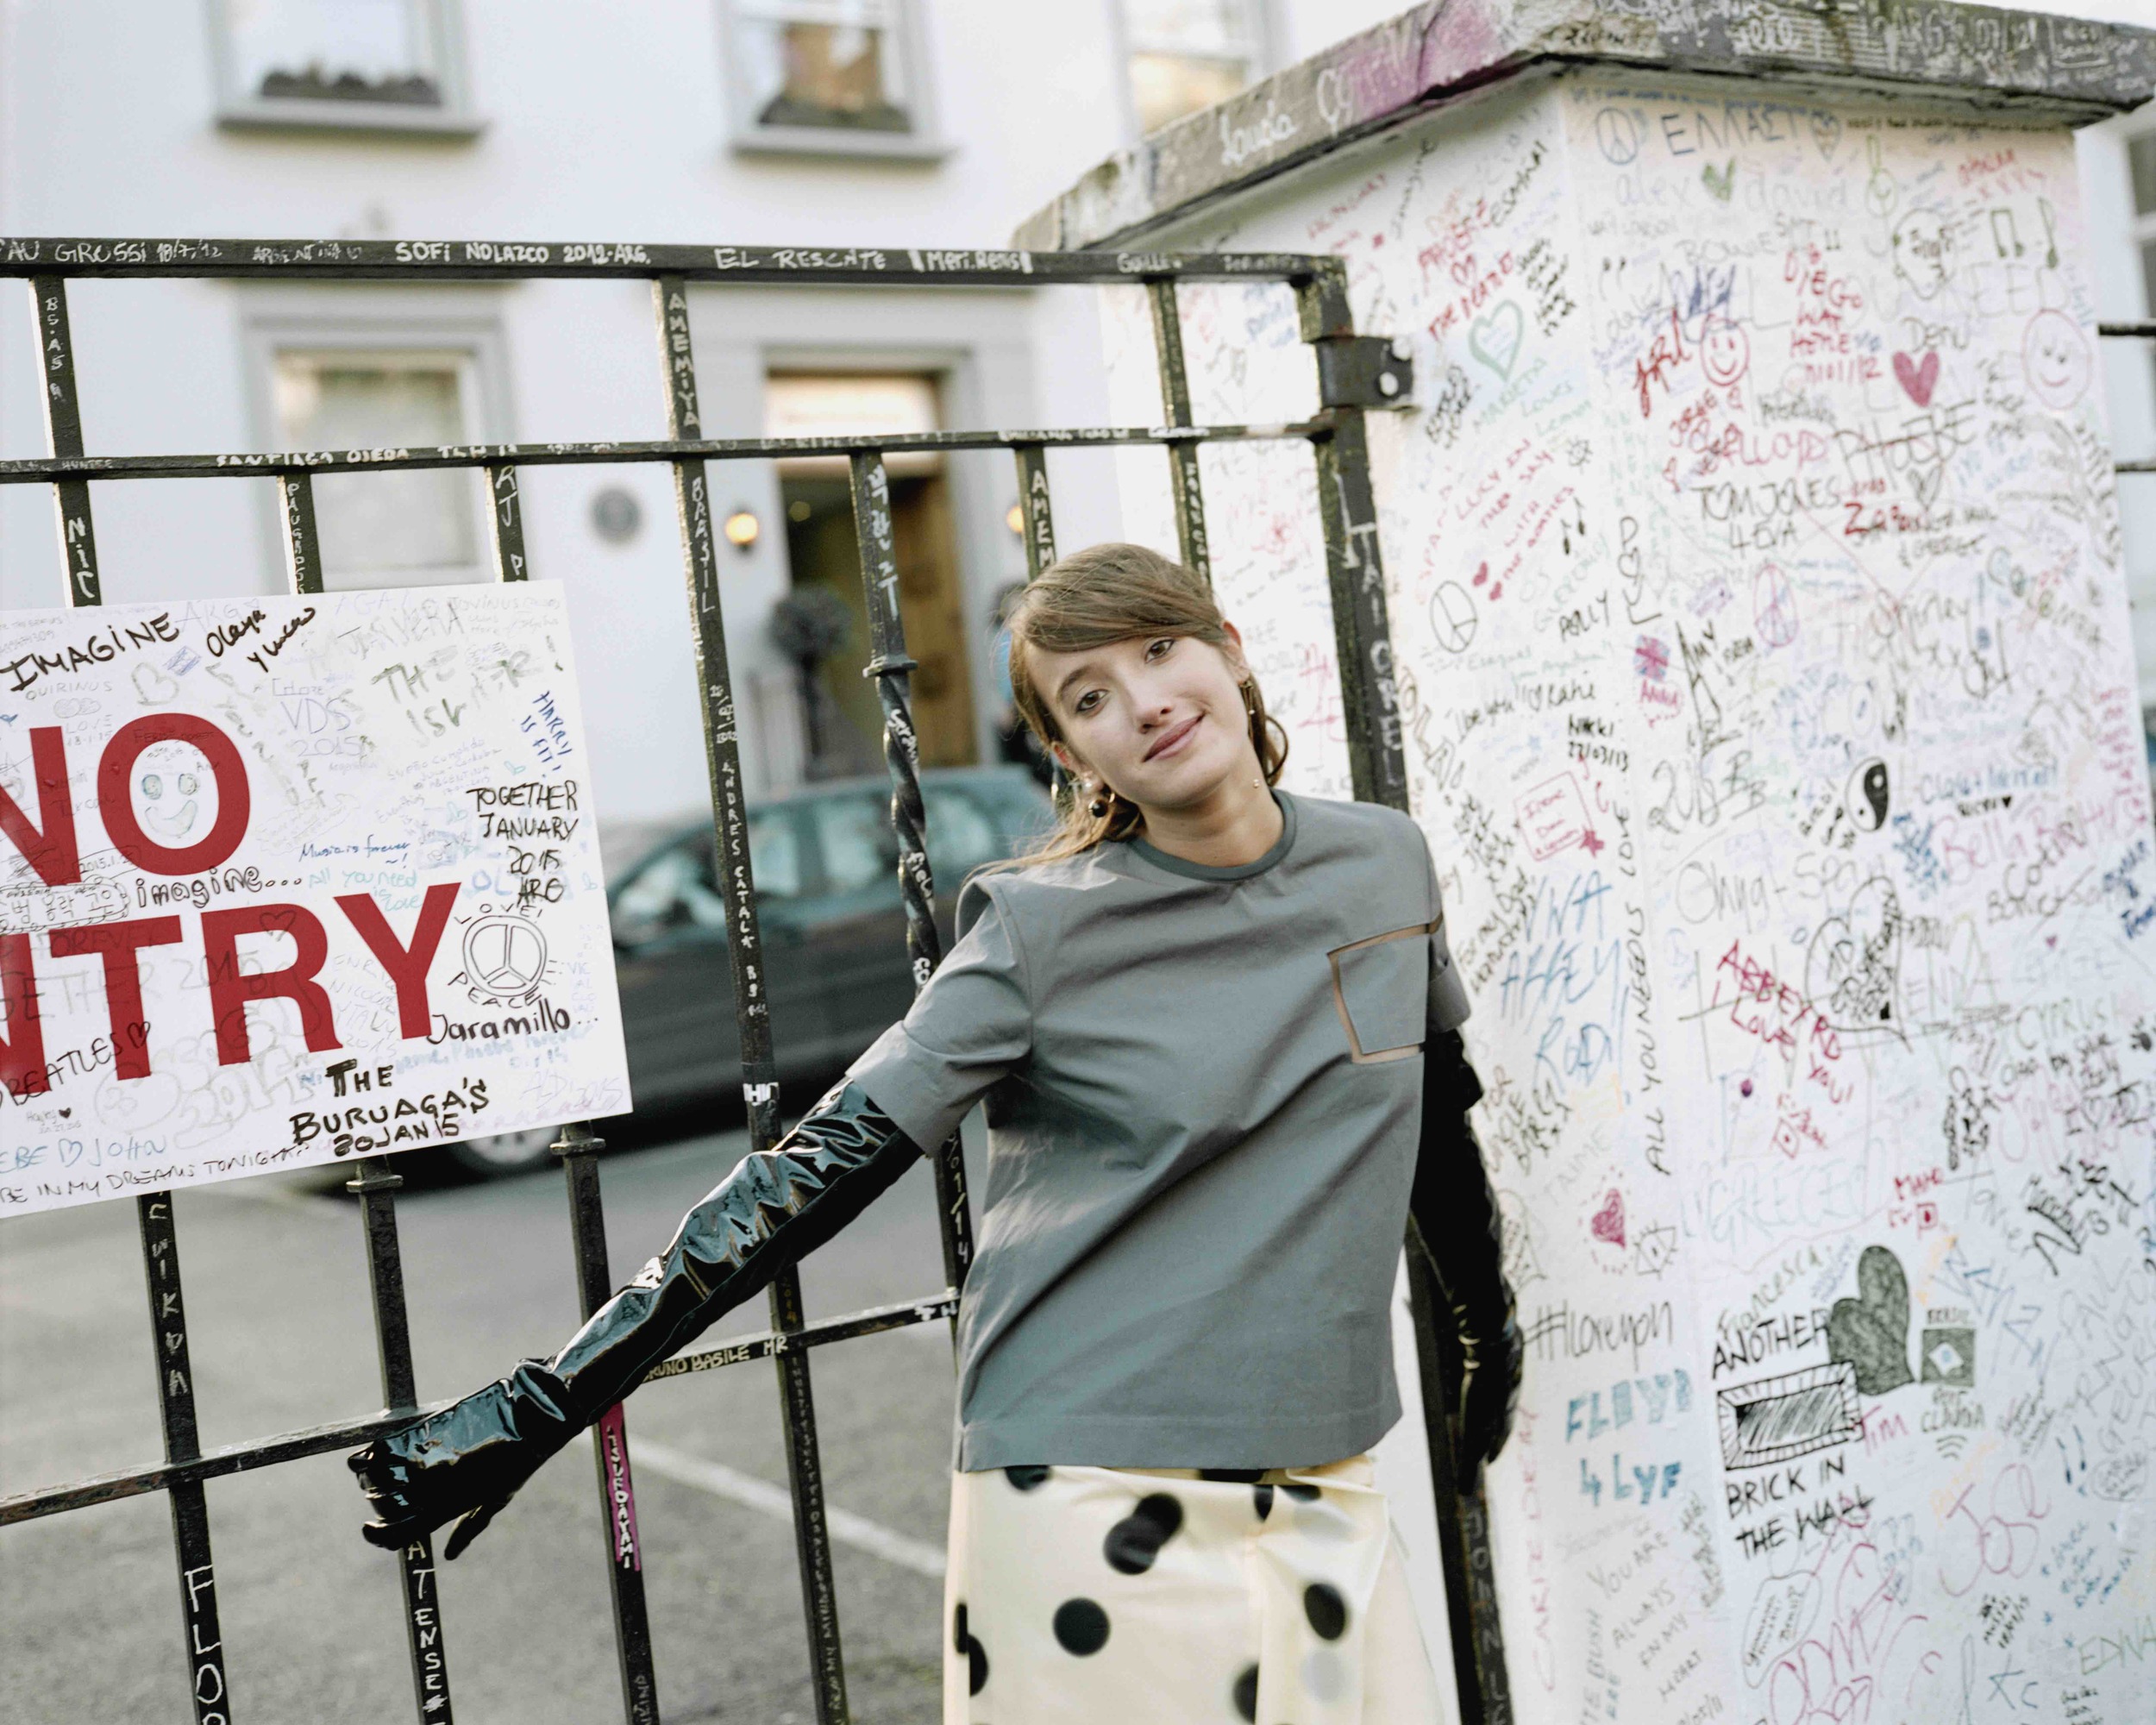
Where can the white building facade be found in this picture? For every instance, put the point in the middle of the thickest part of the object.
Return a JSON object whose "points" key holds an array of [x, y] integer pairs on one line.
{"points": [[820, 122]]}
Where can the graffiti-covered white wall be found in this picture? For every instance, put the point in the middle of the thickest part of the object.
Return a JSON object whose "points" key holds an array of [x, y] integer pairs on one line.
{"points": [[1769, 702]]}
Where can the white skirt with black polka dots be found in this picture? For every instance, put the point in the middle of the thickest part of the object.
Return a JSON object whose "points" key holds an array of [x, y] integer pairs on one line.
{"points": [[1103, 1595]]}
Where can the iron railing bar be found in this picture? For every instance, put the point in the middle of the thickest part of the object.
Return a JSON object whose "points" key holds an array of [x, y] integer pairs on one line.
{"points": [[872, 1321], [2143, 466], [1037, 516], [375, 1185], [207, 1683], [2143, 328], [890, 665], [1378, 769], [344, 1434], [430, 260], [1347, 509], [744, 946], [578, 1151], [1182, 453], [578, 1148], [491, 457], [169, 1354], [62, 435], [505, 522]]}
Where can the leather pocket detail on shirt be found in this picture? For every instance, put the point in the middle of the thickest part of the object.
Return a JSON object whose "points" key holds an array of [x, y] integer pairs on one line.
{"points": [[1380, 989]]}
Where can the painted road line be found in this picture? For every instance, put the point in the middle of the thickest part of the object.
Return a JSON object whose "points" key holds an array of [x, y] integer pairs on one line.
{"points": [[775, 1501]]}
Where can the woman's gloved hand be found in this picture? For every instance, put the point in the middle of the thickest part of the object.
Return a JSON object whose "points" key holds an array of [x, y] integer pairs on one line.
{"points": [[777, 1206], [1455, 1213]]}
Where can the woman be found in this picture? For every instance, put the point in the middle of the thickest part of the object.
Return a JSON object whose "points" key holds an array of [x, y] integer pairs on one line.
{"points": [[1214, 1026]]}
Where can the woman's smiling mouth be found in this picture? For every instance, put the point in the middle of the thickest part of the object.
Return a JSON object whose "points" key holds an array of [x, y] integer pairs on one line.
{"points": [[1174, 740]]}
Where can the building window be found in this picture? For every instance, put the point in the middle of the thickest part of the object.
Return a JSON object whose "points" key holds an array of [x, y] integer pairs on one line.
{"points": [[386, 64], [2141, 155], [1188, 55], [840, 77], [413, 528]]}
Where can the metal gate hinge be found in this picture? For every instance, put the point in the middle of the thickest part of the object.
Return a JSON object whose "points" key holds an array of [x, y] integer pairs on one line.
{"points": [[1366, 371]]}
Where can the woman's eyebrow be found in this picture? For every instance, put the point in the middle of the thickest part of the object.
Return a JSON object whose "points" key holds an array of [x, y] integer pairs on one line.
{"points": [[1082, 671]]}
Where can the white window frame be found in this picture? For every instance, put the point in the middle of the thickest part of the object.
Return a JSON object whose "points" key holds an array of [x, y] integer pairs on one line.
{"points": [[2143, 227], [924, 143], [244, 110], [1266, 35], [473, 339]]}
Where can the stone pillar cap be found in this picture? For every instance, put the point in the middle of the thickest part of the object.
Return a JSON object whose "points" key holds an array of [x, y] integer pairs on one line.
{"points": [[2068, 71]]}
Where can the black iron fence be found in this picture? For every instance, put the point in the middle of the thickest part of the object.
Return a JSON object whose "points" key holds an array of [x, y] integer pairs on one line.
{"points": [[1355, 372]]}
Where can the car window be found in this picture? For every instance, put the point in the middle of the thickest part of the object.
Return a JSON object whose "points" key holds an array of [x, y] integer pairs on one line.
{"points": [[673, 890], [859, 848], [774, 855], [678, 887], [961, 836]]}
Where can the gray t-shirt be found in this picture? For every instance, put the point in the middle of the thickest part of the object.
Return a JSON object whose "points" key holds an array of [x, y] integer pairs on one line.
{"points": [[1204, 1092]]}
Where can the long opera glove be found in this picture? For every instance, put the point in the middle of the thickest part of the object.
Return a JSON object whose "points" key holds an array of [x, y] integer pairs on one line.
{"points": [[1455, 1215], [775, 1208]]}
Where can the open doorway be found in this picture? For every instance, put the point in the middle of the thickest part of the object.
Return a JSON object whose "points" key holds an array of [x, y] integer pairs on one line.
{"points": [[842, 720]]}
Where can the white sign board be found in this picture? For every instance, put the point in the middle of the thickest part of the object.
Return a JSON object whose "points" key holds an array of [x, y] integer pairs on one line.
{"points": [[286, 881]]}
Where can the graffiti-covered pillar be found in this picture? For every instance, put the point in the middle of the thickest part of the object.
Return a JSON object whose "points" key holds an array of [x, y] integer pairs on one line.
{"points": [[1757, 595]]}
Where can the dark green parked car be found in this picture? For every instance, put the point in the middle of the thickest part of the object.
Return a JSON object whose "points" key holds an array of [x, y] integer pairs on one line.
{"points": [[826, 862]]}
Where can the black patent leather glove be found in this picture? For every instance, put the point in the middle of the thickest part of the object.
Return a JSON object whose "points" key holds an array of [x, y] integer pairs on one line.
{"points": [[1455, 1213], [776, 1207]]}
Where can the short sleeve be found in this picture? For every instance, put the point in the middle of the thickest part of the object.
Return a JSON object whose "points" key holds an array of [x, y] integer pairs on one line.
{"points": [[970, 1025], [1449, 1005]]}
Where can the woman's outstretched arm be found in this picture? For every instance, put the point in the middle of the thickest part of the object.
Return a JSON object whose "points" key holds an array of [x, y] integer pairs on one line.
{"points": [[969, 1026], [776, 1207], [1455, 1215]]}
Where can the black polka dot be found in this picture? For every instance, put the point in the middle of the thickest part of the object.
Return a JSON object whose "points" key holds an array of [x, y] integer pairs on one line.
{"points": [[1135, 1542], [1081, 1626], [976, 1656], [1326, 1610], [1025, 1479], [1237, 1475], [1245, 1693], [1263, 1494], [1302, 1494]]}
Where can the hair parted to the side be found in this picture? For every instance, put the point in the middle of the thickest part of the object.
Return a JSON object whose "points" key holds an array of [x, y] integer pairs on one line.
{"points": [[1101, 594]]}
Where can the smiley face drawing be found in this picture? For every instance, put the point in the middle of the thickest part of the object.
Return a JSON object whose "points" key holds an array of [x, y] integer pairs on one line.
{"points": [[1725, 352], [2056, 359]]}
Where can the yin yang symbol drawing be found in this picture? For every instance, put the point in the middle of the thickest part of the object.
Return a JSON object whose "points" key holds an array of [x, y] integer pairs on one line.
{"points": [[1867, 796]]}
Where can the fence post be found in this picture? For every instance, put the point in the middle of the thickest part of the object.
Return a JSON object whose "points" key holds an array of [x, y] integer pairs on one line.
{"points": [[1175, 398], [889, 664], [744, 946], [154, 1210], [1377, 765], [375, 1184]]}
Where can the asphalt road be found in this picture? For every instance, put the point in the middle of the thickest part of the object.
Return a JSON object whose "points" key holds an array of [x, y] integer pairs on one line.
{"points": [[281, 1335]]}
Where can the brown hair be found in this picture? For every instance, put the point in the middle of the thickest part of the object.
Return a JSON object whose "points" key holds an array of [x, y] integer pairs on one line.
{"points": [[1102, 595]]}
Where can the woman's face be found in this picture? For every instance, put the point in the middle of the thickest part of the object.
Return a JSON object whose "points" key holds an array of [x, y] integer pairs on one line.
{"points": [[1158, 717]]}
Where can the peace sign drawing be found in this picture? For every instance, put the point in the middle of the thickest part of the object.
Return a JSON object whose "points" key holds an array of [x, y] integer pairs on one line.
{"points": [[505, 956]]}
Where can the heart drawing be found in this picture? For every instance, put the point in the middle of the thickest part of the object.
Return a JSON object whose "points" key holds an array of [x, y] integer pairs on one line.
{"points": [[1917, 380], [1609, 1223], [1871, 1332], [1721, 182], [1494, 337]]}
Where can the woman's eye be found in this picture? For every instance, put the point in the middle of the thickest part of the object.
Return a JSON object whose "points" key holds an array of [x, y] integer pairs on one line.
{"points": [[1088, 701], [1160, 647]]}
